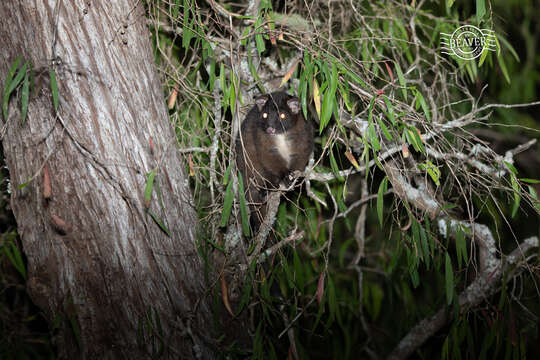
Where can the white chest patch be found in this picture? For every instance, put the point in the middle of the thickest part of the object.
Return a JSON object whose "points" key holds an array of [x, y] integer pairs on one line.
{"points": [[283, 147]]}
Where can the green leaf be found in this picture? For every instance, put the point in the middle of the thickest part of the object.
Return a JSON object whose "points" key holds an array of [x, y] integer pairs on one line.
{"points": [[160, 223], [334, 79], [326, 72], [25, 95], [377, 295], [461, 246], [370, 109], [410, 139], [245, 37], [535, 197], [385, 131], [232, 93], [449, 3], [175, 9], [259, 42], [502, 65], [420, 99], [212, 74], [23, 185], [401, 79], [334, 166], [416, 239], [483, 56], [15, 257], [222, 83], [329, 99], [343, 250], [373, 138], [413, 138], [418, 139], [357, 79], [449, 277], [227, 205], [326, 112], [517, 196], [148, 188], [7, 85], [530, 181], [425, 245], [390, 108], [227, 175], [332, 298], [511, 167], [365, 156], [380, 199], [432, 170], [415, 278], [243, 206], [18, 78], [187, 33], [377, 161], [508, 45], [344, 91], [480, 9], [303, 93], [54, 88]]}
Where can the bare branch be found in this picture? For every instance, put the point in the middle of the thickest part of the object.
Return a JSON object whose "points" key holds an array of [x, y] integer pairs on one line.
{"points": [[272, 204]]}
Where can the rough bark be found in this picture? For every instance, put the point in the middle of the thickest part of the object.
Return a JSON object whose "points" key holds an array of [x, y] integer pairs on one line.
{"points": [[96, 259]]}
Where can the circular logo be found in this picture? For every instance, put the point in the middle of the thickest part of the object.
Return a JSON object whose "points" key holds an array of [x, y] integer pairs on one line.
{"points": [[467, 42]]}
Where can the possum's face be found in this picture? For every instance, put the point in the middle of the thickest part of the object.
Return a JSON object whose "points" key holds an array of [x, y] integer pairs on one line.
{"points": [[277, 112]]}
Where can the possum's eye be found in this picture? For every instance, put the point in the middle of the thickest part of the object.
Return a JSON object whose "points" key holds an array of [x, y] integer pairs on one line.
{"points": [[265, 115], [282, 116]]}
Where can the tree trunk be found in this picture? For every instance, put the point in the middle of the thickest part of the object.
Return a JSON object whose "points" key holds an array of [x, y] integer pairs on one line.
{"points": [[98, 264]]}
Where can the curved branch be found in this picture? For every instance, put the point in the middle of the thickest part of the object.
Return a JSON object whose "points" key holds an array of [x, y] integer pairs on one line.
{"points": [[483, 286], [490, 271]]}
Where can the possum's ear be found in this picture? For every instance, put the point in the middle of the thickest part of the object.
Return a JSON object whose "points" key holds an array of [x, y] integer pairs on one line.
{"points": [[294, 105], [260, 101]]}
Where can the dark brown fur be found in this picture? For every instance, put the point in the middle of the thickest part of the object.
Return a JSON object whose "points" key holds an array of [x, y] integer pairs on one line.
{"points": [[259, 154]]}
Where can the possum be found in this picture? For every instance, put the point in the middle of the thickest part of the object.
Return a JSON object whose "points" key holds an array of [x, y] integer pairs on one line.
{"points": [[275, 140]]}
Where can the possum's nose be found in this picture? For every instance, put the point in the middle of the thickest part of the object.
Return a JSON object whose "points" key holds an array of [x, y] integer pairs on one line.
{"points": [[270, 130]]}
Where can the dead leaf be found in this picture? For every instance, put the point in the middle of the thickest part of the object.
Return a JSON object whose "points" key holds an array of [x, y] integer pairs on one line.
{"points": [[352, 159], [320, 287], [289, 73], [406, 227], [419, 135], [47, 188], [317, 98], [191, 166], [172, 99], [151, 141], [59, 224], [405, 150], [225, 295], [389, 71]]}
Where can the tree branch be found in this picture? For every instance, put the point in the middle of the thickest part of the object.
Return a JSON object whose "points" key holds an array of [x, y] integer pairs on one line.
{"points": [[483, 286]]}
